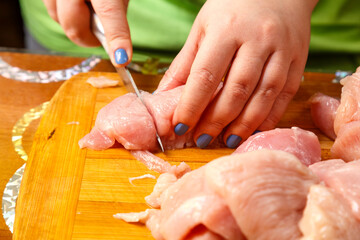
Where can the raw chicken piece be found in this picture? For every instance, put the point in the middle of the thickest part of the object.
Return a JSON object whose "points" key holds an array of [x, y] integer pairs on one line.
{"points": [[102, 82], [263, 193], [303, 144], [188, 210], [349, 109], [125, 119], [347, 120], [159, 165], [344, 178], [328, 217], [323, 112], [346, 145], [164, 181], [128, 121], [265, 190], [185, 206], [96, 140]]}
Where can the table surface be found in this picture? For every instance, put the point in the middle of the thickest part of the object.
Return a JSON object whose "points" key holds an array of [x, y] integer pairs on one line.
{"points": [[17, 98]]}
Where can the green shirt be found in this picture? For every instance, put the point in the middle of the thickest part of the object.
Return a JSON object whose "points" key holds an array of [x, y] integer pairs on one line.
{"points": [[159, 28]]}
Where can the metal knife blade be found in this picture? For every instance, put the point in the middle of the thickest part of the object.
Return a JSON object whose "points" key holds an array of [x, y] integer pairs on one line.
{"points": [[123, 72]]}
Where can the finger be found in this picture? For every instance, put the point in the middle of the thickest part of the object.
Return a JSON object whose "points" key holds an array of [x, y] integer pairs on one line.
{"points": [[241, 81], [74, 18], [205, 75], [261, 102], [284, 98], [51, 8], [179, 69], [112, 15]]}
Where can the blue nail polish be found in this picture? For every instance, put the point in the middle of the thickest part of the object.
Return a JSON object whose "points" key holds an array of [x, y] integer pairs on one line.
{"points": [[203, 140], [233, 141], [180, 129], [121, 56], [257, 131]]}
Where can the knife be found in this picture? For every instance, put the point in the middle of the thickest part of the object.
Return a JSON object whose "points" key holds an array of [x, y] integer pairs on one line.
{"points": [[123, 72]]}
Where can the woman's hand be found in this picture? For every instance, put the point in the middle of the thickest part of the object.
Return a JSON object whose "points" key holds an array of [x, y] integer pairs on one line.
{"points": [[74, 18], [262, 45]]}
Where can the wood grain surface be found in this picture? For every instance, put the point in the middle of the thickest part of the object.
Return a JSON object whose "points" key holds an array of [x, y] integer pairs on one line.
{"points": [[17, 98], [72, 193]]}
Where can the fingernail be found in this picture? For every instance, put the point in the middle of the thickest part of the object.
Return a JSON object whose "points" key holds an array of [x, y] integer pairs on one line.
{"points": [[233, 141], [121, 56], [203, 140], [257, 131], [180, 129]]}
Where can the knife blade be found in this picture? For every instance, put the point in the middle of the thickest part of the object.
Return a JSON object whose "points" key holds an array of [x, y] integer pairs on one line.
{"points": [[123, 72]]}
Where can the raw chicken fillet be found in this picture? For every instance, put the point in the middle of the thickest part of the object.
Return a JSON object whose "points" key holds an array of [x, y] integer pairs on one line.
{"points": [[253, 195]]}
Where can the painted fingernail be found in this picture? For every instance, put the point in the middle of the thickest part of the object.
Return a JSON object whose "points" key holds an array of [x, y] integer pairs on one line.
{"points": [[180, 129], [233, 141], [203, 140], [257, 131], [121, 56]]}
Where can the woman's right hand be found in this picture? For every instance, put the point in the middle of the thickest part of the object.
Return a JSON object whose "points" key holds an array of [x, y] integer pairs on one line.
{"points": [[74, 18]]}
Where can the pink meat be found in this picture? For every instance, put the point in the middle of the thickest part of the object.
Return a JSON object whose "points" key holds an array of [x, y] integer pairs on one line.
{"points": [[349, 109], [121, 120], [303, 144], [129, 122], [102, 82], [265, 191], [159, 165], [253, 195], [347, 120], [323, 112], [328, 216], [162, 107], [189, 210], [344, 178], [346, 145], [192, 203]]}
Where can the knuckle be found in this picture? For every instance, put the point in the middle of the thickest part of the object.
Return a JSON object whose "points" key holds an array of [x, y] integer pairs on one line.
{"points": [[270, 92], [270, 26], [228, 21], [240, 91], [287, 95], [122, 34], [205, 76], [105, 8], [217, 124], [270, 122], [73, 33], [192, 111], [245, 125]]}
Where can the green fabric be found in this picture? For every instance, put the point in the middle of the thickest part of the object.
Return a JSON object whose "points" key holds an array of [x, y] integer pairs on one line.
{"points": [[159, 29], [335, 26]]}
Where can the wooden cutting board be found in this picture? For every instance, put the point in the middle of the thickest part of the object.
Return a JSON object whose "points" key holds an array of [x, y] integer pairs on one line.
{"points": [[72, 193]]}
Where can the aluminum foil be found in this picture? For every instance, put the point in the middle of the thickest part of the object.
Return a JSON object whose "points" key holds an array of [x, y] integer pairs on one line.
{"points": [[12, 188], [339, 74], [11, 72], [10, 195]]}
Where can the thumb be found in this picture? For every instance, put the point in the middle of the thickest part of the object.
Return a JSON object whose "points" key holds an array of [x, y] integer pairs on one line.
{"points": [[112, 15]]}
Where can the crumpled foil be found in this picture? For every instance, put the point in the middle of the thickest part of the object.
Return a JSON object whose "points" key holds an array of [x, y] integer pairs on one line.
{"points": [[11, 72], [10, 195], [12, 188]]}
